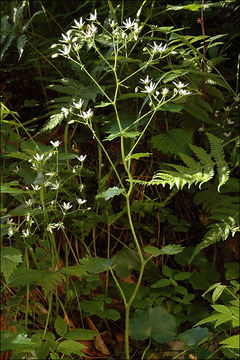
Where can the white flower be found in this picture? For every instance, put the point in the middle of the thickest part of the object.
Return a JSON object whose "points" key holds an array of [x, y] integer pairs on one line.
{"points": [[158, 48], [55, 143], [93, 17], [87, 114], [51, 227], [66, 50], [55, 186], [229, 121], [227, 134], [184, 92], [10, 221], [149, 88], [128, 23], [66, 206], [145, 81], [81, 157], [78, 105], [67, 37], [38, 157], [50, 174], [165, 91], [60, 225], [16, 170], [29, 202], [25, 233], [180, 85], [10, 231], [65, 111], [36, 187], [29, 220], [80, 201], [79, 24]]}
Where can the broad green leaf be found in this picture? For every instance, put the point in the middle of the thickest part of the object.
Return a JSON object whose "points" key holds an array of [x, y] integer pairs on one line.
{"points": [[154, 323], [194, 336], [80, 334], [232, 342], [161, 283], [125, 261], [6, 189], [174, 141], [96, 265], [110, 193], [60, 326], [168, 250], [198, 113], [18, 155], [97, 307], [222, 309], [208, 319], [17, 342], [74, 271], [182, 276], [171, 107], [69, 347], [10, 258], [232, 270]]}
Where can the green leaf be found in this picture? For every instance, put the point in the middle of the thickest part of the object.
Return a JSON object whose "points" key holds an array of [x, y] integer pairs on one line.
{"points": [[198, 113], [138, 156], [6, 189], [60, 326], [182, 276], [126, 260], [167, 271], [168, 250], [69, 347], [80, 334], [103, 104], [110, 193], [161, 283], [232, 270], [74, 271], [174, 141], [96, 265], [21, 42], [222, 309], [17, 342], [154, 323], [10, 258], [96, 307], [232, 342], [194, 336]]}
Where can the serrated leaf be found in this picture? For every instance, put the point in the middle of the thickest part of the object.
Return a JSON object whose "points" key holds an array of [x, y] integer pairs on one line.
{"points": [[6, 189], [222, 309], [96, 265], [154, 323], [168, 250], [161, 283], [60, 326], [69, 347], [10, 258], [110, 193], [167, 271], [182, 275], [173, 142], [74, 271], [194, 336], [81, 334], [232, 342]]}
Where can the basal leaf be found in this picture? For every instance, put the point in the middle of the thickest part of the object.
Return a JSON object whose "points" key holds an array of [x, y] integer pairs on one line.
{"points": [[17, 342], [96, 265], [154, 323], [174, 141], [10, 258], [194, 336], [125, 261], [168, 250]]}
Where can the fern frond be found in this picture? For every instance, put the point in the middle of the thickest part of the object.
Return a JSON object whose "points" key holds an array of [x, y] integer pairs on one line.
{"points": [[218, 231], [196, 172], [50, 281], [216, 146]]}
